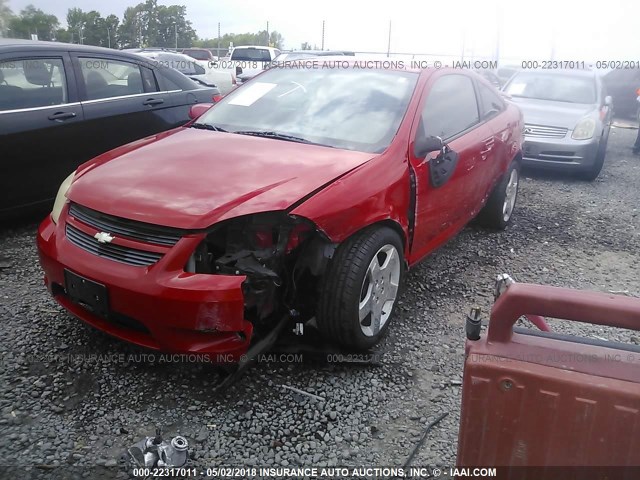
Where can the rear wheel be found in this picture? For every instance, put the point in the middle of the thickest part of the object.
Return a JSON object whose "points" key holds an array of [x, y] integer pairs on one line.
{"points": [[360, 288], [498, 211]]}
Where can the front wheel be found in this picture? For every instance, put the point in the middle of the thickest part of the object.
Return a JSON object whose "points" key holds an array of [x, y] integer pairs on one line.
{"points": [[360, 287], [592, 173], [498, 211]]}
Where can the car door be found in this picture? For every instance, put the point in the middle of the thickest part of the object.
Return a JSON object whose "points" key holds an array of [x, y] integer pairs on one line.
{"points": [[496, 145], [39, 119], [449, 109], [121, 101]]}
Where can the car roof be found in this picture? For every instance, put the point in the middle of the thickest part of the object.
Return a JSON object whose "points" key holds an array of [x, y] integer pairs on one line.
{"points": [[20, 45], [261, 47], [364, 63], [321, 52], [165, 54], [563, 72]]}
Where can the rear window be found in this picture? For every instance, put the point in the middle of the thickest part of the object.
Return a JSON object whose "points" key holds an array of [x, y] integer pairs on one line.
{"points": [[251, 55]]}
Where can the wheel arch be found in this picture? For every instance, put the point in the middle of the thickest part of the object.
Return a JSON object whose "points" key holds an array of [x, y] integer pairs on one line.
{"points": [[391, 224]]}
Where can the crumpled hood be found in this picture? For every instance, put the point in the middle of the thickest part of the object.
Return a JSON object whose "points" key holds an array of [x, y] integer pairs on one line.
{"points": [[190, 178], [552, 114]]}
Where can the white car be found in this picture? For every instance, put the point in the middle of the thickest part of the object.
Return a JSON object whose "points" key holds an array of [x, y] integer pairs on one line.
{"points": [[248, 60], [199, 71]]}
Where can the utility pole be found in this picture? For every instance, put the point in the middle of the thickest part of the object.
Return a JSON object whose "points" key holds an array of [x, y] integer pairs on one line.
{"points": [[322, 48], [268, 43], [109, 36], [218, 52], [81, 37], [176, 28], [389, 42]]}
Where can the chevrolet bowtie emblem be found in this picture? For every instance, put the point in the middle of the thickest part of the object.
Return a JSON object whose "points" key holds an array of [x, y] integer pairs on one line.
{"points": [[103, 237]]}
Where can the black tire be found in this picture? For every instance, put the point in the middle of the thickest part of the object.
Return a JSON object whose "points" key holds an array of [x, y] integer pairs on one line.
{"points": [[492, 214], [592, 173], [342, 286]]}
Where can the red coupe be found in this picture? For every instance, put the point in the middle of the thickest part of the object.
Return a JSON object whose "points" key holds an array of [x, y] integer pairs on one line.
{"points": [[305, 194]]}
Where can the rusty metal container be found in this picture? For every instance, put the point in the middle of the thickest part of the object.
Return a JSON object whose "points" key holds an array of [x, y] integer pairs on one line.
{"points": [[543, 399]]}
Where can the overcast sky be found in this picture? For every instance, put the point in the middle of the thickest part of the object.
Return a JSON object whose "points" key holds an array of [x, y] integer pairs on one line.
{"points": [[530, 29]]}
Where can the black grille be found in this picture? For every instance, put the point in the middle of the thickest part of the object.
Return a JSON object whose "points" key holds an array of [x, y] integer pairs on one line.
{"points": [[145, 232], [130, 256]]}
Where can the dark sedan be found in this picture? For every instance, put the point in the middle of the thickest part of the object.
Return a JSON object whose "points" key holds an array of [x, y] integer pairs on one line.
{"points": [[63, 104]]}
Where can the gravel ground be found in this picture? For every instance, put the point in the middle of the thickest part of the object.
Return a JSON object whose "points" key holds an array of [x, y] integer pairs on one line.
{"points": [[61, 407]]}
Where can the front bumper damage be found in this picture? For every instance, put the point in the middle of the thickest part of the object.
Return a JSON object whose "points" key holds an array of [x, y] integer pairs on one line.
{"points": [[160, 307]]}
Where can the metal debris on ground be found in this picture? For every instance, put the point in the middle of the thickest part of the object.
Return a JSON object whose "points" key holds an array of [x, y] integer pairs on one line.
{"points": [[423, 438], [302, 392], [156, 452]]}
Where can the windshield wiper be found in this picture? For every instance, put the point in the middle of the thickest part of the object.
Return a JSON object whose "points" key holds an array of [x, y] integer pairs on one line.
{"points": [[206, 126], [278, 136]]}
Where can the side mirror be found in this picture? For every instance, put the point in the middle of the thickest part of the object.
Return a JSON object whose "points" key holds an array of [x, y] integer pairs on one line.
{"points": [[608, 101], [198, 109], [425, 145]]}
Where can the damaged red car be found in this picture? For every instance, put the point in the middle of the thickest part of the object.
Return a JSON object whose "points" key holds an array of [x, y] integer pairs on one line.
{"points": [[303, 195]]}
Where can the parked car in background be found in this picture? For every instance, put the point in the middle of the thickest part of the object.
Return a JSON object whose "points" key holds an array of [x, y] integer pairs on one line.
{"points": [[199, 71], [622, 85], [63, 104], [301, 197], [295, 55], [201, 54], [298, 54], [567, 116], [506, 72], [248, 59], [490, 77]]}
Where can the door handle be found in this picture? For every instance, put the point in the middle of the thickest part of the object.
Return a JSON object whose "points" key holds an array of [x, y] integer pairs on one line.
{"points": [[61, 116], [484, 152], [153, 101]]}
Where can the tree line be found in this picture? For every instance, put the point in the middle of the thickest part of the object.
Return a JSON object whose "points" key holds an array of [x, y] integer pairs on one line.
{"points": [[145, 25]]}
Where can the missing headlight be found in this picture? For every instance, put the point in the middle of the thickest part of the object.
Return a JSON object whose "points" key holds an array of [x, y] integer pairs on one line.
{"points": [[265, 247]]}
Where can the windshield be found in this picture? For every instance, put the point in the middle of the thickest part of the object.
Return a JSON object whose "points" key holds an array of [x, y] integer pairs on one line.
{"points": [[251, 55], [350, 109], [556, 87]]}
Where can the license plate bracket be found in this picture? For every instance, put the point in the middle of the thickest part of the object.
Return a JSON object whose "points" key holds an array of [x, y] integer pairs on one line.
{"points": [[91, 295]]}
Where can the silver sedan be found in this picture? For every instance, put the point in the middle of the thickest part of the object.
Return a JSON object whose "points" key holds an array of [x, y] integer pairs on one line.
{"points": [[567, 116]]}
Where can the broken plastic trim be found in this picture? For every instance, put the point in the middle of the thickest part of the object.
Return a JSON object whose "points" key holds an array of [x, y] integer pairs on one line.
{"points": [[248, 245], [268, 248]]}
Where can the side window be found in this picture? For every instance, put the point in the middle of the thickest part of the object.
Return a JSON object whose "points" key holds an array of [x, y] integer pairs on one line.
{"points": [[492, 104], [31, 83], [148, 80], [451, 107], [106, 78]]}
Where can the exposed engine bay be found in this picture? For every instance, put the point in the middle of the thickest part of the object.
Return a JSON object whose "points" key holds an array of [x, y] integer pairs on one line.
{"points": [[281, 255]]}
